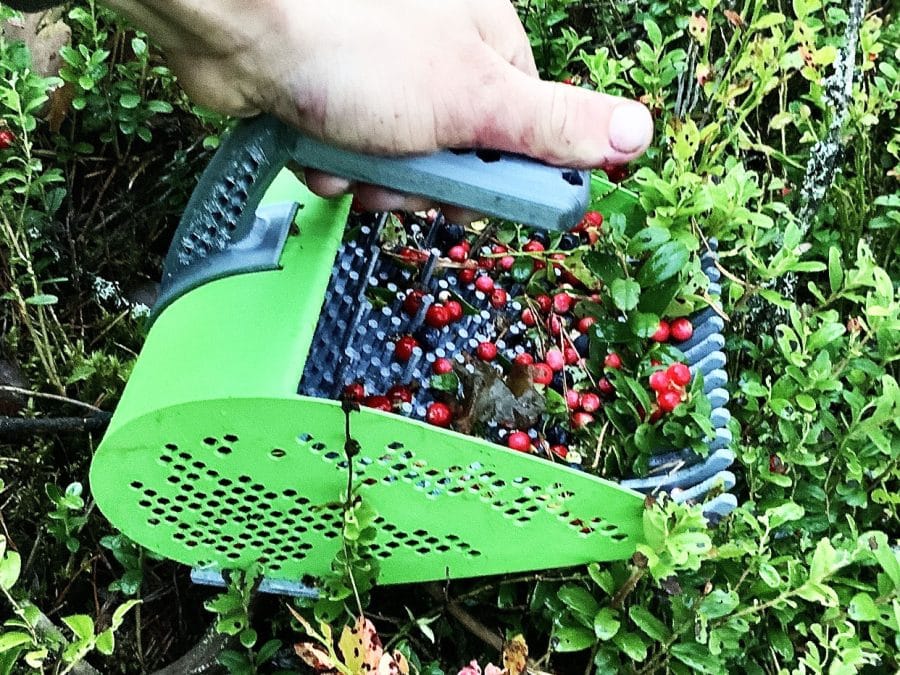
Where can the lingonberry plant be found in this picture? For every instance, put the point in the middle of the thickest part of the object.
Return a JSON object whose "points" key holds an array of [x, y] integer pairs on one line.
{"points": [[776, 134]]}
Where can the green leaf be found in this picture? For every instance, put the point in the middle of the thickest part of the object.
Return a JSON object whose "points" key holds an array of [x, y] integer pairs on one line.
{"points": [[106, 642], [10, 567], [248, 637], [806, 402], [862, 608], [81, 624], [648, 239], [643, 324], [625, 293], [522, 269], [572, 639], [697, 657], [655, 299], [120, 612], [835, 271], [130, 100], [667, 261], [768, 21], [446, 382], [159, 106], [769, 575], [649, 624], [632, 645], [876, 543], [579, 599], [718, 603], [606, 623], [42, 299], [605, 265], [13, 639]]}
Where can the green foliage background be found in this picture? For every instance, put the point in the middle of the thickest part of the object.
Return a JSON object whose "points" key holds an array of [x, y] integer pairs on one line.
{"points": [[803, 578]]}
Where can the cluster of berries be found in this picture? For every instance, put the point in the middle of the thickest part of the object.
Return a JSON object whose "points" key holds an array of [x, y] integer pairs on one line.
{"points": [[539, 331]]}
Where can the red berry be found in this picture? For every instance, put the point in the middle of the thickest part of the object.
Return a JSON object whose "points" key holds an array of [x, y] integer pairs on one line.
{"points": [[437, 316], [524, 359], [662, 332], [660, 380], [668, 400], [592, 219], [438, 414], [555, 359], [413, 255], [404, 347], [378, 402], [562, 303], [466, 245], [6, 139], [541, 373], [486, 263], [519, 440], [679, 373], [613, 361], [539, 265], [399, 394], [585, 323], [573, 399], [581, 420], [484, 283], [355, 392], [454, 309], [496, 249], [776, 465], [458, 253], [560, 451], [413, 301], [554, 325], [533, 246], [605, 386], [467, 276], [682, 329], [442, 366], [590, 402], [572, 356], [544, 303], [486, 351], [499, 298], [506, 263], [528, 317]]}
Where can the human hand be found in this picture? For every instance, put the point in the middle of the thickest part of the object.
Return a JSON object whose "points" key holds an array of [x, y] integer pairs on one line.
{"points": [[389, 77]]}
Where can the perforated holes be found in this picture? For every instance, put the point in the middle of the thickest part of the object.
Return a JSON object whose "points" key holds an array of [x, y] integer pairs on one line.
{"points": [[231, 438], [223, 450], [277, 453], [136, 485]]}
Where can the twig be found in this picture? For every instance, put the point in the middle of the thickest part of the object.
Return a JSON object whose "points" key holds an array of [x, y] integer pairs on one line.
{"points": [[201, 658], [51, 397], [16, 427], [469, 622]]}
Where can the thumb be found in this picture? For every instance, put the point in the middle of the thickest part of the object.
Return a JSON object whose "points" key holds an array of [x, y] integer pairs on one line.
{"points": [[560, 124]]}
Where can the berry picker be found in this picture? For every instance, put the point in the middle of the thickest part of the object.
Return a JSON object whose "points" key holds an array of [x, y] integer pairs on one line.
{"points": [[227, 447]]}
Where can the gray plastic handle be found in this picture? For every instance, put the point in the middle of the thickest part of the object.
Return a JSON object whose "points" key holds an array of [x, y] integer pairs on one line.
{"points": [[221, 212]]}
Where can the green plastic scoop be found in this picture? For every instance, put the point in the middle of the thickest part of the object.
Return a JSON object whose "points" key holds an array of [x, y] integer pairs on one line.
{"points": [[212, 458]]}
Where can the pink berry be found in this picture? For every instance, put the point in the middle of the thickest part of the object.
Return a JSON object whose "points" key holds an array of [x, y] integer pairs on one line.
{"points": [[524, 359], [573, 399], [528, 317], [660, 380], [562, 303], [454, 309], [486, 351], [605, 386], [668, 400], [555, 359], [544, 303], [484, 283], [585, 323], [437, 316], [404, 347], [682, 329], [572, 355], [613, 361], [541, 373], [533, 247], [679, 373], [519, 440], [378, 403], [506, 263], [442, 366], [662, 332], [438, 414], [581, 420], [590, 402], [458, 253], [499, 298]]}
